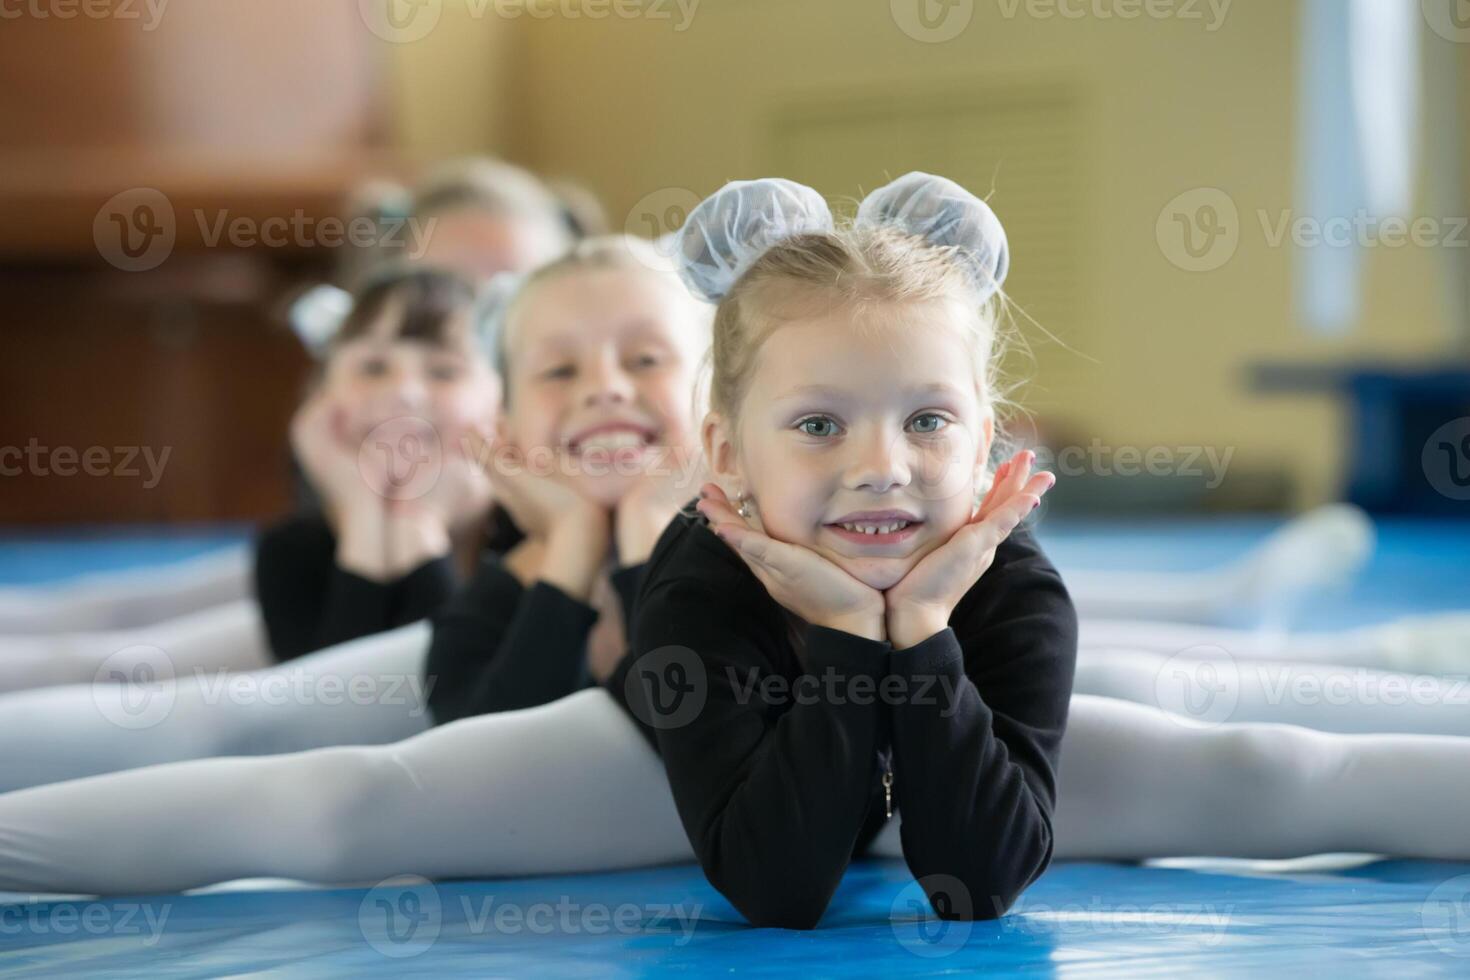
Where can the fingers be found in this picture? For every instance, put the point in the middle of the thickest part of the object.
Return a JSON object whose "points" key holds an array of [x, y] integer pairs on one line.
{"points": [[1009, 512], [1009, 478]]}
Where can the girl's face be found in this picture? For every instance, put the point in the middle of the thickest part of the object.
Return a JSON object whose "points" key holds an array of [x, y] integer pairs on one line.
{"points": [[377, 377], [477, 244], [863, 441], [603, 364]]}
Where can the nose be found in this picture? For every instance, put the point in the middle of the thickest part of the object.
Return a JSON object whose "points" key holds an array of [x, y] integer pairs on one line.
{"points": [[409, 389], [605, 382], [880, 461]]}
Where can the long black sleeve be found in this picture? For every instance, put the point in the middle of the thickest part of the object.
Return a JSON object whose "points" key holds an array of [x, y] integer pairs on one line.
{"points": [[499, 646], [777, 790], [308, 602], [975, 757]]}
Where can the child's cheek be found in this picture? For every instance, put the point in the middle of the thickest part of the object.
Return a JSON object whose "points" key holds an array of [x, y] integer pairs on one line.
{"points": [[946, 471]]}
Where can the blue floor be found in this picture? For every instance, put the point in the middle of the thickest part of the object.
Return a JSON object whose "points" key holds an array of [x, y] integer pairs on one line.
{"points": [[1365, 918]]}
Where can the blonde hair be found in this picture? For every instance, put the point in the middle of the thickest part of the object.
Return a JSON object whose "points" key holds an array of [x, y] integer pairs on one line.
{"points": [[859, 267], [606, 252]]}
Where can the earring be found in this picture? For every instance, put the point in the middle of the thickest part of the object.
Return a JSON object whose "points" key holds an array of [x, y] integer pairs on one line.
{"points": [[744, 510]]}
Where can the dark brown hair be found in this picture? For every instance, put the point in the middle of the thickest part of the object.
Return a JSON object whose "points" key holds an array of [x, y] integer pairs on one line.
{"points": [[429, 299]]}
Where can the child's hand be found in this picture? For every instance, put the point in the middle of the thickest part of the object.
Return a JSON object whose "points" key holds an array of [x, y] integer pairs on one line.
{"points": [[577, 531], [537, 504], [649, 505], [796, 577], [920, 604], [460, 494], [324, 447]]}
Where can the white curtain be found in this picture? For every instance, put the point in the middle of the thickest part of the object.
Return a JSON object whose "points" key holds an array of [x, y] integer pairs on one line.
{"points": [[1359, 132]]}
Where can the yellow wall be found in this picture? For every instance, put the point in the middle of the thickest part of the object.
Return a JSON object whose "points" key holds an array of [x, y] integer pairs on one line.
{"points": [[633, 106]]}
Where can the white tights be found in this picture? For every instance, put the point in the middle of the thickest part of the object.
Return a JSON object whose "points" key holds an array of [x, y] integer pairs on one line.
{"points": [[364, 692], [126, 599], [572, 787], [228, 636]]}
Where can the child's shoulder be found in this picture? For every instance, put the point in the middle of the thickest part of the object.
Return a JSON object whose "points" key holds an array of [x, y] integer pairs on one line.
{"points": [[1021, 574], [688, 551]]}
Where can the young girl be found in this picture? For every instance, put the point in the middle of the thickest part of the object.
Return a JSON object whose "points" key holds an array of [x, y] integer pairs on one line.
{"points": [[601, 347], [406, 358], [474, 216], [571, 786]]}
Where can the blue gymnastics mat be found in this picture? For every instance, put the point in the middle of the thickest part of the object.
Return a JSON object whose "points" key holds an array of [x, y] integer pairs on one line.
{"points": [[1327, 916], [1386, 918]]}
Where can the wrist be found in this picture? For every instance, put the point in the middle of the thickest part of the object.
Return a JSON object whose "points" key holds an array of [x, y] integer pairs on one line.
{"points": [[361, 545], [636, 534], [911, 625], [574, 553], [412, 538], [866, 623]]}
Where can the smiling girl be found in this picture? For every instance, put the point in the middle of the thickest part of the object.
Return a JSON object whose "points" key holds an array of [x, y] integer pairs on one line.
{"points": [[813, 694]]}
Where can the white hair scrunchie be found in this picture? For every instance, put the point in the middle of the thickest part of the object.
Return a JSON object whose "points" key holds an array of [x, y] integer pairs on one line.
{"points": [[943, 213], [317, 315], [492, 304], [731, 229]]}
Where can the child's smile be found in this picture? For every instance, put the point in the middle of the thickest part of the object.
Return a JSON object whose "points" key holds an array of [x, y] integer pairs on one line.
{"points": [[861, 444]]}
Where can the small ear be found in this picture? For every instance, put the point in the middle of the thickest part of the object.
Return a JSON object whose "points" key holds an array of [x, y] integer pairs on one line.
{"points": [[719, 450]]}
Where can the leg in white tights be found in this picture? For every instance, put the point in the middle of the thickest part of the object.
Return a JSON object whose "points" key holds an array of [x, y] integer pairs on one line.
{"points": [[126, 599], [565, 787], [1210, 685], [1323, 548], [1137, 783], [1433, 644], [230, 636], [366, 692], [571, 787]]}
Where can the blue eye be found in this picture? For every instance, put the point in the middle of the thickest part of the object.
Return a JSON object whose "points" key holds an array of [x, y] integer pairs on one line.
{"points": [[929, 423], [826, 426]]}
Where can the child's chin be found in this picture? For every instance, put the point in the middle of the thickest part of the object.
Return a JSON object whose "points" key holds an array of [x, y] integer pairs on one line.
{"points": [[606, 490], [877, 573]]}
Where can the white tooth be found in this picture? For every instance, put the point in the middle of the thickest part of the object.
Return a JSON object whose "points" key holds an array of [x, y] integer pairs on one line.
{"points": [[886, 528], [614, 440], [870, 529]]}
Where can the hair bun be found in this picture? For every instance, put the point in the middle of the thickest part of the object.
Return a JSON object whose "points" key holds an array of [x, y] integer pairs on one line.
{"points": [[492, 302], [944, 214], [732, 228], [317, 315]]}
